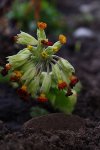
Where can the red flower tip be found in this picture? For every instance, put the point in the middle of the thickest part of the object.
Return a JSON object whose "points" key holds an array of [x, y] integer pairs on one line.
{"points": [[42, 98], [50, 43], [62, 85], [5, 70], [22, 92], [69, 92], [73, 81], [47, 43], [14, 79]]}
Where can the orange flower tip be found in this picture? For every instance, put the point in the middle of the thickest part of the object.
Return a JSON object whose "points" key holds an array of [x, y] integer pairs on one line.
{"points": [[18, 74], [8, 67], [62, 85], [42, 25], [69, 92], [24, 88], [73, 81], [42, 98], [23, 94], [62, 39], [4, 72]]}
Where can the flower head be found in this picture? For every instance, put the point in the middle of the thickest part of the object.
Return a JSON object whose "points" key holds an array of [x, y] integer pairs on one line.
{"points": [[37, 67]]}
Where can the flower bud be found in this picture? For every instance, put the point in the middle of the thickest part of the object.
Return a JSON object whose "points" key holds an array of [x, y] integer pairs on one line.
{"points": [[8, 67], [73, 81], [46, 83], [66, 66], [42, 25], [56, 72], [62, 39], [69, 92], [29, 74], [22, 92], [42, 98], [62, 84], [33, 86], [26, 39]]}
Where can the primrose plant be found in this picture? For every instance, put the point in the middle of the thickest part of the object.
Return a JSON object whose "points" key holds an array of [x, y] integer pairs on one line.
{"points": [[40, 73]]}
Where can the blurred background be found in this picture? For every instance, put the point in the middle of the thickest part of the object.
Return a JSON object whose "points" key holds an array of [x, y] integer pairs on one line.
{"points": [[79, 20]]}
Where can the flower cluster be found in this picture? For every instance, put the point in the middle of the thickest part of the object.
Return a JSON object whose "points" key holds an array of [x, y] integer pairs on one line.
{"points": [[37, 69]]}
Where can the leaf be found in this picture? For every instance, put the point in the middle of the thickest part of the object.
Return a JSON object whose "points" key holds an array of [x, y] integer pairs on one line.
{"points": [[61, 102], [37, 111]]}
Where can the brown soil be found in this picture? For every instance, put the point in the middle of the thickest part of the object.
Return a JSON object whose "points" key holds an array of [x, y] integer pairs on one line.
{"points": [[79, 134]]}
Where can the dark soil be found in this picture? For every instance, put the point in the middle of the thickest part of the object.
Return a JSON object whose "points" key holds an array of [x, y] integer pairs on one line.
{"points": [[61, 133], [85, 135]]}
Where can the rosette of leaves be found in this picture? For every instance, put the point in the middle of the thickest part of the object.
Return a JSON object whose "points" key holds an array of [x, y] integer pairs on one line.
{"points": [[42, 74]]}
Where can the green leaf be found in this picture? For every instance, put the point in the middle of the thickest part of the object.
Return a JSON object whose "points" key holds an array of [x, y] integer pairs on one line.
{"points": [[61, 102], [37, 111]]}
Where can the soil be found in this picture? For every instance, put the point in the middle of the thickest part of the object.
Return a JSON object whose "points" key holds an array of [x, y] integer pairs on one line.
{"points": [[85, 135], [58, 132]]}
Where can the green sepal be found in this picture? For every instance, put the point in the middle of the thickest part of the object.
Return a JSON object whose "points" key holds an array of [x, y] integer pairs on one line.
{"points": [[26, 39], [46, 83], [41, 34], [67, 67]]}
